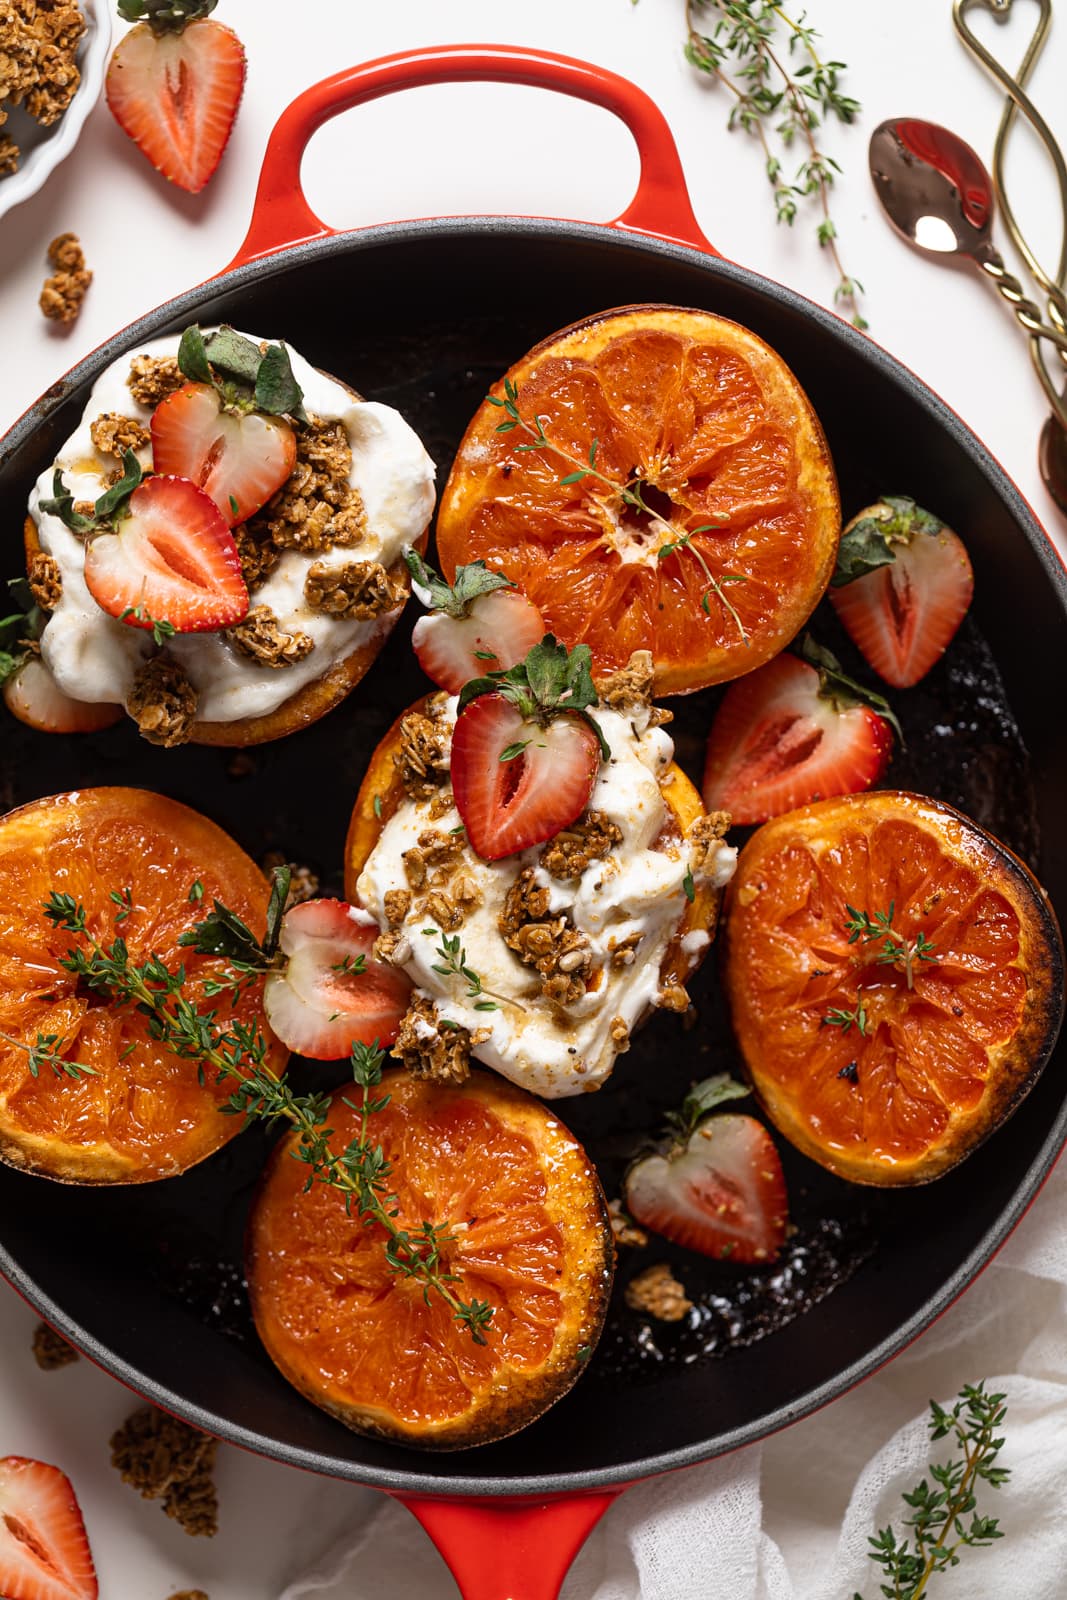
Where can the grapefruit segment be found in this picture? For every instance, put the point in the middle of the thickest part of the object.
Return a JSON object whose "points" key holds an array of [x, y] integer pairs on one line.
{"points": [[895, 979], [528, 1234], [651, 477], [141, 1112]]}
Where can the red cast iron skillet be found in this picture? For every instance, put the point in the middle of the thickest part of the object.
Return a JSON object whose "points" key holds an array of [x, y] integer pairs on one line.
{"points": [[425, 315]]}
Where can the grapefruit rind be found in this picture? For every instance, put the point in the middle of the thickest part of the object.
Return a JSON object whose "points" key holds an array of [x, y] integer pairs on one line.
{"points": [[487, 468], [33, 840], [298, 1293], [1014, 1062]]}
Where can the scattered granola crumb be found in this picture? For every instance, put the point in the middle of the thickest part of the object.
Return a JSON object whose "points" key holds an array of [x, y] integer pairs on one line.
{"points": [[620, 1035], [113, 434], [241, 765], [262, 637], [705, 835], [303, 884], [624, 1227], [163, 702], [674, 998], [429, 1050], [422, 759], [624, 953], [434, 850], [9, 155], [164, 1459], [317, 507], [360, 589], [392, 948], [63, 292], [588, 839], [558, 952], [50, 1350], [657, 1291], [152, 378], [46, 581], [258, 557]]}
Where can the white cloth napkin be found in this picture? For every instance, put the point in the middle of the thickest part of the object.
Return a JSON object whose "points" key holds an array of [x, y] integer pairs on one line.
{"points": [[789, 1519]]}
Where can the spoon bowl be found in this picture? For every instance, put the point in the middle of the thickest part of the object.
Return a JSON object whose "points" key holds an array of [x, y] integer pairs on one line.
{"points": [[933, 188]]}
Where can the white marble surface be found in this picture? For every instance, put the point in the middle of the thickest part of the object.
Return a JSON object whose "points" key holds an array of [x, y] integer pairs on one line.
{"points": [[486, 149]]}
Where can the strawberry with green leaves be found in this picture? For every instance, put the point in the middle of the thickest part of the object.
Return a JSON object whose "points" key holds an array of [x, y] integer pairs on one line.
{"points": [[480, 623], [174, 84], [714, 1183], [30, 692], [228, 430], [902, 587], [525, 750], [796, 730], [158, 553]]}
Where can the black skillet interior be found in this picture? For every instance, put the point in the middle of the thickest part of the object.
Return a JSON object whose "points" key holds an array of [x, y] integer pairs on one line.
{"points": [[425, 316]]}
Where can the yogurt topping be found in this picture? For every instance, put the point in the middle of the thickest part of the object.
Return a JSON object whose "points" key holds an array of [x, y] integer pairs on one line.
{"points": [[92, 656], [637, 891]]}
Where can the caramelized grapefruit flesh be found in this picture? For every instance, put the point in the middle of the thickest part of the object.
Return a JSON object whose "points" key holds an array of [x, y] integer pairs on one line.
{"points": [[142, 1113], [889, 1055], [529, 1235], [725, 451]]}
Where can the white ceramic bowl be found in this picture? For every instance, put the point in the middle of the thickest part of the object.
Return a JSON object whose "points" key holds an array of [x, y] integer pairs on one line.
{"points": [[42, 149]]}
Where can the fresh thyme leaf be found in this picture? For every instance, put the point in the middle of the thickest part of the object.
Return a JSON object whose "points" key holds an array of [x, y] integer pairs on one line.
{"points": [[514, 750], [162, 630], [944, 1517], [377, 805], [896, 951], [688, 885], [453, 964], [845, 1020]]}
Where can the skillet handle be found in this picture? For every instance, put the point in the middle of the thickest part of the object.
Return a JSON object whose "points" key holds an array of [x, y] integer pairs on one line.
{"points": [[510, 1549], [281, 215]]}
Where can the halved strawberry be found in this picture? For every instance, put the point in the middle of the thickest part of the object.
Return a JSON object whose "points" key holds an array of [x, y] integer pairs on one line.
{"points": [[479, 624], [44, 1551], [792, 732], [332, 993], [176, 93], [515, 782], [902, 587], [238, 457], [172, 561], [721, 1192], [33, 696]]}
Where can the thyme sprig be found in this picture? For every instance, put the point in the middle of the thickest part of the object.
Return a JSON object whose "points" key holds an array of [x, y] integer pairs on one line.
{"points": [[903, 954], [453, 964], [857, 1018], [238, 1051], [736, 42], [631, 493], [939, 1510]]}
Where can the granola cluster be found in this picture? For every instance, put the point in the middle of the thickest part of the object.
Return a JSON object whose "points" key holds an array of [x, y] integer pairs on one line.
{"points": [[704, 836], [630, 689], [164, 1459], [559, 953], [657, 1291], [316, 508], [113, 434], [360, 589], [624, 1228], [432, 1049], [262, 637], [163, 702], [423, 757], [46, 581], [152, 378], [38, 43], [63, 292], [574, 849]]}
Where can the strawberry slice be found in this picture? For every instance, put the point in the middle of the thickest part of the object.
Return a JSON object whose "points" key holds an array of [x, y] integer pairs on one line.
{"points": [[174, 86], [792, 732], [515, 782], [44, 1551], [902, 587], [332, 993], [477, 625], [525, 750], [238, 458], [720, 1192], [33, 696], [171, 562]]}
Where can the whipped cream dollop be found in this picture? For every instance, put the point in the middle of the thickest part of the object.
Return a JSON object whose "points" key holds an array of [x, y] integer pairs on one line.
{"points": [[92, 656], [633, 899]]}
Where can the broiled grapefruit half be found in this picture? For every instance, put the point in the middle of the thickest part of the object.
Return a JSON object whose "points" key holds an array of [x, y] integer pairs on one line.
{"points": [[382, 791], [895, 979], [652, 477], [529, 1234], [141, 1112]]}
